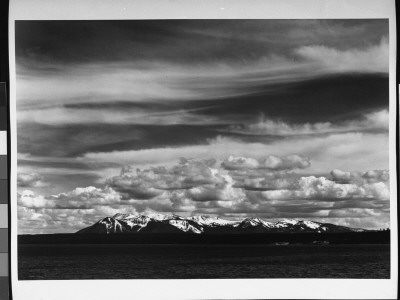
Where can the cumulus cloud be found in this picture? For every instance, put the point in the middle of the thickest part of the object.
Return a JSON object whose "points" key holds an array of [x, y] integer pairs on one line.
{"points": [[269, 173], [321, 188], [266, 187], [131, 186], [29, 180], [378, 120], [271, 162], [204, 180], [79, 198], [268, 182], [374, 176], [201, 180], [28, 199], [371, 176], [343, 177], [87, 197], [223, 191]]}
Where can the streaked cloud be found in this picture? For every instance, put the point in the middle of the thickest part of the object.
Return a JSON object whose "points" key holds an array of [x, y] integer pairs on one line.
{"points": [[76, 116], [372, 59], [378, 120], [357, 151], [160, 81]]}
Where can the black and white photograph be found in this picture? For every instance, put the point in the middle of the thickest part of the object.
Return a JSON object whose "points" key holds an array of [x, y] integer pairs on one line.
{"points": [[203, 149]]}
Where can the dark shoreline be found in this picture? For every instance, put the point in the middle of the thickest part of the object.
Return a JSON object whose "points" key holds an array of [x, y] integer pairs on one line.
{"points": [[376, 237]]}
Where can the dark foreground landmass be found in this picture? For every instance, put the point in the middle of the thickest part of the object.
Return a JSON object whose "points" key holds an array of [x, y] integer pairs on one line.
{"points": [[204, 256], [377, 237], [202, 261]]}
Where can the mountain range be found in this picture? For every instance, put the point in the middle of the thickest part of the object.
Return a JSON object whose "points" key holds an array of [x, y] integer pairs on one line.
{"points": [[159, 223]]}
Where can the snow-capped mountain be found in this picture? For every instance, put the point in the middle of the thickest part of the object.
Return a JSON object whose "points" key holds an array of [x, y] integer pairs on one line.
{"points": [[159, 223]]}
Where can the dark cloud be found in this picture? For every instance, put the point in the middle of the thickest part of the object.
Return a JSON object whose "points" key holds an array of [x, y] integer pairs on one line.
{"points": [[74, 165], [310, 101], [180, 40], [76, 140]]}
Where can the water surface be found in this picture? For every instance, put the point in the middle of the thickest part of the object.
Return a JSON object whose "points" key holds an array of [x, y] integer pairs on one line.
{"points": [[202, 261]]}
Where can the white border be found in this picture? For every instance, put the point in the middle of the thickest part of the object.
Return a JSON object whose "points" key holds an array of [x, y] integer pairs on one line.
{"points": [[3, 142], [204, 289]]}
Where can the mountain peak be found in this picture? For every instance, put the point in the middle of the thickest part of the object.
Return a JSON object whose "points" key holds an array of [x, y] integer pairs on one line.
{"points": [[120, 216]]}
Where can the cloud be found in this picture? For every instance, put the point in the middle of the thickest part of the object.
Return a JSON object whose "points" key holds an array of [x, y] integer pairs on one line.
{"points": [[270, 162], [49, 86], [225, 192], [28, 199], [265, 182], [151, 81], [372, 59], [321, 188], [61, 115], [95, 82], [354, 151], [378, 120], [374, 176], [351, 212], [371, 176], [200, 179], [131, 186], [79, 198], [29, 180], [195, 186]]}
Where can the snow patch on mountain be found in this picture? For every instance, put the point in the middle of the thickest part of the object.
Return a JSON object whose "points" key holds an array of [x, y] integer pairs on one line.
{"points": [[184, 226], [311, 224], [211, 221]]}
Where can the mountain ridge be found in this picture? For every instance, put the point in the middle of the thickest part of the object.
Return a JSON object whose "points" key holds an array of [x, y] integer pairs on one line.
{"points": [[202, 224]]}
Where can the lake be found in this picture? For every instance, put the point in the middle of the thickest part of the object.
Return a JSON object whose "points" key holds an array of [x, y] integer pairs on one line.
{"points": [[39, 262]]}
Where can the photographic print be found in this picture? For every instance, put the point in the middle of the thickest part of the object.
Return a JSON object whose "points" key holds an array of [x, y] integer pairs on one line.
{"points": [[203, 149]]}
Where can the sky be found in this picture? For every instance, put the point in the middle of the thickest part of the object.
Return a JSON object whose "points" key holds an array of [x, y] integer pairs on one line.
{"points": [[276, 119]]}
